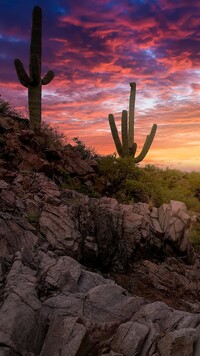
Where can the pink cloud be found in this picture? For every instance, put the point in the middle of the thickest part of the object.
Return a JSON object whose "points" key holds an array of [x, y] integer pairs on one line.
{"points": [[96, 51]]}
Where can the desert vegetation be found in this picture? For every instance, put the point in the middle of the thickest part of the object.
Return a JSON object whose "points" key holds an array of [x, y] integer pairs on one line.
{"points": [[127, 147], [121, 178], [150, 184], [72, 222], [118, 177], [129, 183], [33, 81], [7, 110]]}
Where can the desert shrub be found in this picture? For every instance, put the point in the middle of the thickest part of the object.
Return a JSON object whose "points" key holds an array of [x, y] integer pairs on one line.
{"points": [[136, 190], [143, 191], [184, 194], [6, 109], [130, 183], [164, 185], [117, 171], [83, 150], [51, 136], [194, 183], [195, 234]]}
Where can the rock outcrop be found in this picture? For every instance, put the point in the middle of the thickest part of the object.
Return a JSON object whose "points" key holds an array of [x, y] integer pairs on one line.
{"points": [[100, 233], [52, 305], [82, 276], [21, 149]]}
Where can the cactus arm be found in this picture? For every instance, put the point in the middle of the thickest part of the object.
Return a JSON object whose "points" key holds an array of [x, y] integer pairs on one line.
{"points": [[124, 130], [132, 150], [132, 113], [143, 152], [115, 135], [151, 136], [21, 73], [147, 145], [48, 77]]}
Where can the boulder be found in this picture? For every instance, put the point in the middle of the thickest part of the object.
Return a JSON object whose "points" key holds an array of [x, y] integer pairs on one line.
{"points": [[62, 253], [66, 336], [178, 342], [130, 338], [15, 234], [22, 319], [52, 305], [98, 232]]}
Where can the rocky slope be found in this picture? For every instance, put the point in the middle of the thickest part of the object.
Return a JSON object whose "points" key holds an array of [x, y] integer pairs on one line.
{"points": [[87, 276]]}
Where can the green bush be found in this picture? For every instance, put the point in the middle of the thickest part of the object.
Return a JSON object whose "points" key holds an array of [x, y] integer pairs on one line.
{"points": [[114, 172], [129, 183], [195, 234]]}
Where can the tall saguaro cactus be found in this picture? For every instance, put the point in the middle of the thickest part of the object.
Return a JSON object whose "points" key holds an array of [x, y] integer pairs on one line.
{"points": [[33, 81], [128, 147]]}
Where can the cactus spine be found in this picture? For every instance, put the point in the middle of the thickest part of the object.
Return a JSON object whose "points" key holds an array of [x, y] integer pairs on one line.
{"points": [[128, 147], [33, 81]]}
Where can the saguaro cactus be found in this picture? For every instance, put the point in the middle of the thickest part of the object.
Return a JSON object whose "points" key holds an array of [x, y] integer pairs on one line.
{"points": [[33, 81], [128, 147]]}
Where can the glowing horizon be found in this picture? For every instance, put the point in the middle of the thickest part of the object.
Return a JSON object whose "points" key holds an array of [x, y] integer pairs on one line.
{"points": [[96, 50]]}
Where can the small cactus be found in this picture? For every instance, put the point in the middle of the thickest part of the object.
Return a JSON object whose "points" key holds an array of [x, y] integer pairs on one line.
{"points": [[128, 147], [33, 81]]}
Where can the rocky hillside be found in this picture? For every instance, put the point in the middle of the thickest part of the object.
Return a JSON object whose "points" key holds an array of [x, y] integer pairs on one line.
{"points": [[88, 276]]}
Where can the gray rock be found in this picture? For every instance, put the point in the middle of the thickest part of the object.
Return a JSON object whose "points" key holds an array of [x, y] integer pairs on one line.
{"points": [[59, 229], [66, 336], [114, 303], [50, 304], [178, 342], [177, 206], [197, 342], [3, 184], [22, 320], [130, 338], [164, 316], [15, 234]]}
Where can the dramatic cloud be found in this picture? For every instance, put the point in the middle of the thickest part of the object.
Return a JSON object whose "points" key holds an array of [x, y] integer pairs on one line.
{"points": [[96, 48]]}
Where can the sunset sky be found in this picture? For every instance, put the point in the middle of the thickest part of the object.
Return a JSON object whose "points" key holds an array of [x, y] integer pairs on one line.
{"points": [[96, 48]]}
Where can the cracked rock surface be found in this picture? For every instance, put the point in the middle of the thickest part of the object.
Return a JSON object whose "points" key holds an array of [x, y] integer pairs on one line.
{"points": [[83, 276], [59, 307], [50, 304]]}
